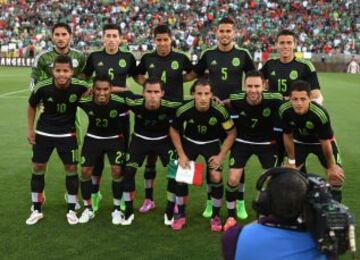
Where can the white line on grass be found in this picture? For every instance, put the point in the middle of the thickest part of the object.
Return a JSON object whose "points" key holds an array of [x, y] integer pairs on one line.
{"points": [[13, 92]]}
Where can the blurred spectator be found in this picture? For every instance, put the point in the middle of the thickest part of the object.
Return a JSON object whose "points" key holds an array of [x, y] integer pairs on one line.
{"points": [[353, 66]]}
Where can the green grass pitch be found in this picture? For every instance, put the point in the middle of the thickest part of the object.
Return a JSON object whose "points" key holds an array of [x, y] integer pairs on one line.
{"points": [[147, 238]]}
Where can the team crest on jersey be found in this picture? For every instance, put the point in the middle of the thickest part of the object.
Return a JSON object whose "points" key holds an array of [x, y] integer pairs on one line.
{"points": [[293, 75], [75, 63], [122, 63], [72, 98], [113, 113], [309, 125], [266, 112], [235, 62], [175, 65], [162, 117], [213, 121], [232, 161]]}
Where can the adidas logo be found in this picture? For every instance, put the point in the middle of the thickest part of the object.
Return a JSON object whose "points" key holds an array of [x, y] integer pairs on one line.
{"points": [[91, 113], [242, 113], [100, 64], [273, 73], [151, 66], [191, 121], [50, 99], [213, 63]]}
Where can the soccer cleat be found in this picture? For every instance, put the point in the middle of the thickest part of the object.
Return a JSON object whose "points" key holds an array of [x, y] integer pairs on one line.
{"points": [[230, 222], [241, 209], [95, 200], [35, 216], [86, 216], [215, 224], [72, 218], [168, 222], [122, 204], [77, 205], [117, 217], [147, 206], [128, 221], [208, 210], [178, 223]]}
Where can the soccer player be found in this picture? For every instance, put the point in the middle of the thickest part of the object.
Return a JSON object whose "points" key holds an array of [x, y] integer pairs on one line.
{"points": [[169, 66], [204, 120], [117, 65], [257, 111], [226, 63], [151, 136], [282, 71], [55, 129], [103, 136], [307, 129]]}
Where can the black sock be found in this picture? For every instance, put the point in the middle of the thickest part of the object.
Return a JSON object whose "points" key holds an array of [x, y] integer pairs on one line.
{"points": [[231, 194]]}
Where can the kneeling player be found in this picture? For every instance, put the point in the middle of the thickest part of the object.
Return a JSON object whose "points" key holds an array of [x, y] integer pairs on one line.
{"points": [[104, 136], [152, 121], [255, 135], [204, 122], [55, 130], [307, 129]]}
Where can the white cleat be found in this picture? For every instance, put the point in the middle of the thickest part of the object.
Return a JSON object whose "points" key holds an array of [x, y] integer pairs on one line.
{"points": [[168, 222], [117, 217], [72, 218], [86, 216], [35, 216], [128, 221]]}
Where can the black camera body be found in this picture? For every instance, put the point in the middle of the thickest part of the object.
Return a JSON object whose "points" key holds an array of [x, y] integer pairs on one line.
{"points": [[330, 222]]}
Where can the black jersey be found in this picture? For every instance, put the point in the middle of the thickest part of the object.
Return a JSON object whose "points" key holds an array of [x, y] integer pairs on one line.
{"points": [[169, 69], [280, 75], [202, 126], [225, 69], [311, 127], [117, 67], [104, 119], [59, 105], [256, 122], [152, 123]]}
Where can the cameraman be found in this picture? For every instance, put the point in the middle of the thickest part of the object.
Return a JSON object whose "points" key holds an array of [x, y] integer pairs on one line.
{"points": [[278, 234]]}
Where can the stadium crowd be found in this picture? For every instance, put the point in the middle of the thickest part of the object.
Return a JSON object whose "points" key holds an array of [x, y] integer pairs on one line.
{"points": [[322, 26]]}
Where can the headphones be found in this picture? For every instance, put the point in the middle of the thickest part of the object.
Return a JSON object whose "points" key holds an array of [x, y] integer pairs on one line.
{"points": [[262, 204]]}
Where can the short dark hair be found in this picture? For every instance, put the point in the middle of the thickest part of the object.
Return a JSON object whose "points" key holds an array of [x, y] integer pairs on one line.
{"points": [[61, 25], [226, 20], [111, 26], [301, 85], [101, 77], [287, 194], [163, 28], [153, 81], [286, 32], [203, 81], [63, 59], [254, 73]]}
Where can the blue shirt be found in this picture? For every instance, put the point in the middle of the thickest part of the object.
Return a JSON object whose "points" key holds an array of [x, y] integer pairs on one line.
{"points": [[257, 242]]}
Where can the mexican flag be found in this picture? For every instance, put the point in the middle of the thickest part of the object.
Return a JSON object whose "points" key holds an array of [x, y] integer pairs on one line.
{"points": [[193, 176]]}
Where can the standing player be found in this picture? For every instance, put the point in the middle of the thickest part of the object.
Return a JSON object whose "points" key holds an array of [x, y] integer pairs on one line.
{"points": [[55, 129], [44, 62], [117, 65], [103, 136], [204, 121], [226, 63], [282, 71], [255, 135], [151, 136], [307, 129], [168, 66]]}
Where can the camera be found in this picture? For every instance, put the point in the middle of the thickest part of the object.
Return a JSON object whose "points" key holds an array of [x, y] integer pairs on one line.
{"points": [[330, 222]]}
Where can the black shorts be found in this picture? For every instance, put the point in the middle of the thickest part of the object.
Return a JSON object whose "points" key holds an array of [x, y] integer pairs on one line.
{"points": [[193, 150], [302, 150], [94, 149], [66, 148], [241, 153], [139, 148]]}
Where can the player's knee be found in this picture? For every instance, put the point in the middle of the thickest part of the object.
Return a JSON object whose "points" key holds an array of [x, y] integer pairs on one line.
{"points": [[215, 177], [115, 171], [86, 172], [70, 168], [39, 167]]}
